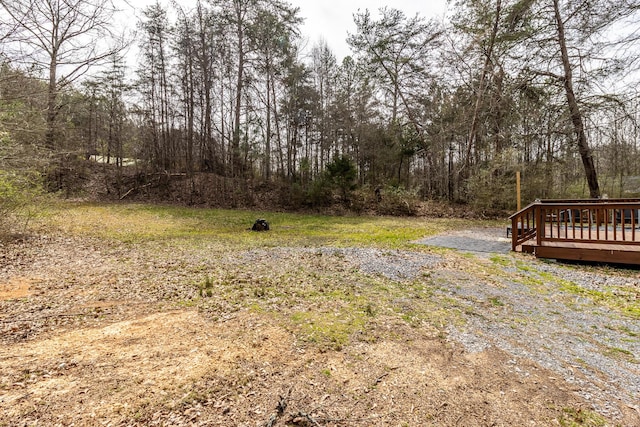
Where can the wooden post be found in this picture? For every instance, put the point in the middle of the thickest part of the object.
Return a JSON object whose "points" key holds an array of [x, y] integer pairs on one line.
{"points": [[519, 202]]}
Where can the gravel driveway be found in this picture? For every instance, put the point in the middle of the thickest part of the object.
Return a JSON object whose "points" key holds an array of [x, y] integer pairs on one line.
{"points": [[589, 345]]}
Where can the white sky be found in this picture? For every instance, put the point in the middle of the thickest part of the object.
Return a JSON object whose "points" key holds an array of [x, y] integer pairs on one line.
{"points": [[327, 19], [333, 19]]}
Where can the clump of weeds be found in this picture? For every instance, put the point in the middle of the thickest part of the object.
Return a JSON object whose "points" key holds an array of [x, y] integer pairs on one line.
{"points": [[206, 288]]}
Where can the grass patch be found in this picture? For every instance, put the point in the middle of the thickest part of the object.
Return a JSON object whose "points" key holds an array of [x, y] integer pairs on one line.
{"points": [[621, 354], [501, 260], [496, 302], [323, 300], [618, 300], [135, 223], [320, 296], [625, 330], [581, 418], [330, 330], [206, 287]]}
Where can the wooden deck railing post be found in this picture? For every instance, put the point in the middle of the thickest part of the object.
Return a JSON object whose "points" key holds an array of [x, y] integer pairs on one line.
{"points": [[539, 223], [514, 232]]}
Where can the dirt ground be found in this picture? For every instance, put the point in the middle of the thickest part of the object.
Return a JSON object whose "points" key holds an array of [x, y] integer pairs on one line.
{"points": [[97, 334]]}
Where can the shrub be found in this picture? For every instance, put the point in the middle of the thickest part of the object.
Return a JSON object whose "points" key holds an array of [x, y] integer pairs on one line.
{"points": [[17, 193], [398, 201], [390, 200], [319, 193], [342, 173], [364, 200]]}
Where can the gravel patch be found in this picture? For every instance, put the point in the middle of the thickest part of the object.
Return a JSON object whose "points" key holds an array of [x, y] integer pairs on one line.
{"points": [[468, 244], [586, 344], [490, 240], [392, 264]]}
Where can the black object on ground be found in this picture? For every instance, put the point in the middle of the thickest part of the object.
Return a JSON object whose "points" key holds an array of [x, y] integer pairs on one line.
{"points": [[260, 225]]}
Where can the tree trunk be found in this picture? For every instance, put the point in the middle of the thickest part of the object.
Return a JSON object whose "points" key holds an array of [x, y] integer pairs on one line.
{"points": [[574, 110], [52, 100], [235, 142], [267, 147], [190, 112], [473, 131]]}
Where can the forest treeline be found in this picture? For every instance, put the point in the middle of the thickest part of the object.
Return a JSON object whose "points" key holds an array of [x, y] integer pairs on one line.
{"points": [[446, 109]]}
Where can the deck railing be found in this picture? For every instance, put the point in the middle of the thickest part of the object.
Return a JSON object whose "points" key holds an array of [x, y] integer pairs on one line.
{"points": [[523, 225], [594, 221]]}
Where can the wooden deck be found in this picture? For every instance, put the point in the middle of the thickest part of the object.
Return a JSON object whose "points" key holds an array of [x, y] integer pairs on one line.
{"points": [[580, 230]]}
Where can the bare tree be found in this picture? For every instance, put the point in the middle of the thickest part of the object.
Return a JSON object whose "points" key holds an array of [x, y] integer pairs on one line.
{"points": [[577, 116], [399, 53], [480, 91], [325, 69], [64, 38], [273, 33], [570, 45], [156, 87]]}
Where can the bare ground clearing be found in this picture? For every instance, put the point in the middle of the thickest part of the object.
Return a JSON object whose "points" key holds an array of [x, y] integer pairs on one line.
{"points": [[170, 333]]}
